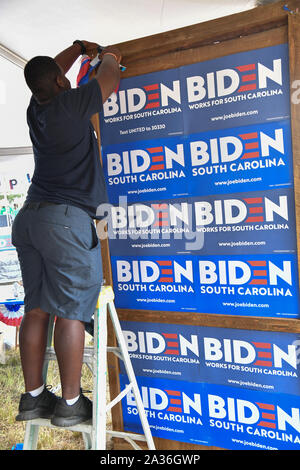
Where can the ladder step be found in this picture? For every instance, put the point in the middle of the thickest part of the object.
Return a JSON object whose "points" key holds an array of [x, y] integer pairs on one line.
{"points": [[82, 427], [86, 427], [88, 355]]}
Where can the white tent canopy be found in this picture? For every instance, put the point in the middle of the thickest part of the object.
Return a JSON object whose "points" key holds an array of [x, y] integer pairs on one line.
{"points": [[36, 27]]}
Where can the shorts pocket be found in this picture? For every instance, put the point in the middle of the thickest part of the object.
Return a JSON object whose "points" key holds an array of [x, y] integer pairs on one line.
{"points": [[95, 239], [88, 254], [86, 236]]}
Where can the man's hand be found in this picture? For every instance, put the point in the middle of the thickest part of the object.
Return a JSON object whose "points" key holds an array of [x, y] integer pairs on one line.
{"points": [[90, 46], [112, 50]]}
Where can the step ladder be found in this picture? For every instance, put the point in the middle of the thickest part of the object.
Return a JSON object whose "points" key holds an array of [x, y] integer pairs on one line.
{"points": [[95, 433]]}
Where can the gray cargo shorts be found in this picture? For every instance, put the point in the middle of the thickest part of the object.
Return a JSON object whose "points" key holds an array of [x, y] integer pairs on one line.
{"points": [[60, 259]]}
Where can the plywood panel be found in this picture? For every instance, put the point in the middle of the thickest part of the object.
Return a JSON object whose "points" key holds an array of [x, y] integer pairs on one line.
{"points": [[206, 33], [254, 29]]}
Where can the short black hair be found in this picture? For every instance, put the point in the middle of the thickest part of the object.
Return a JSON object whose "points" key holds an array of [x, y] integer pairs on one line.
{"points": [[40, 75]]}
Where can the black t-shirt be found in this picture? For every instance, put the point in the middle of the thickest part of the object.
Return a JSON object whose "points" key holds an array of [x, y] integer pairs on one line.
{"points": [[67, 163]]}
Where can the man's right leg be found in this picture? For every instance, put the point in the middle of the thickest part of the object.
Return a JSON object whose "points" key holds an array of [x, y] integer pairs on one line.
{"points": [[69, 338], [73, 407]]}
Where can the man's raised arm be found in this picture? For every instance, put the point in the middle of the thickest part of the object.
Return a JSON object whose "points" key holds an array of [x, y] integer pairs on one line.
{"points": [[108, 73]]}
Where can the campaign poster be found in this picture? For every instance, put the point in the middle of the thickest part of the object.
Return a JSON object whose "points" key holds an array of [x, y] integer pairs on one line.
{"points": [[239, 89], [250, 158], [145, 106], [160, 283], [239, 223], [174, 410], [215, 415], [257, 360], [253, 420], [251, 285], [146, 170], [164, 351]]}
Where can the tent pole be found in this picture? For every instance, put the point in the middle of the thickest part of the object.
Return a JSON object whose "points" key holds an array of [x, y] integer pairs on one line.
{"points": [[12, 56]]}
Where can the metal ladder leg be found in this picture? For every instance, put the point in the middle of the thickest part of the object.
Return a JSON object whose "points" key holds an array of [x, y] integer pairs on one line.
{"points": [[131, 375], [100, 375], [100, 407]]}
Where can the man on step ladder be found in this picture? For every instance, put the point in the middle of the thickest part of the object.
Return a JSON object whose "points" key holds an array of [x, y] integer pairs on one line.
{"points": [[54, 232]]}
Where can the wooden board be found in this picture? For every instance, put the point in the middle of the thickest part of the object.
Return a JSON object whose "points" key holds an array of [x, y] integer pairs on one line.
{"points": [[257, 28]]}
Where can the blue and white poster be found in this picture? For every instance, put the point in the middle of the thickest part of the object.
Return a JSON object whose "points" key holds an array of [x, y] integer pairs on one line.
{"points": [[245, 419], [145, 106], [251, 285], [174, 410], [215, 415], [251, 158], [146, 170], [240, 223], [155, 283], [240, 89], [257, 360]]}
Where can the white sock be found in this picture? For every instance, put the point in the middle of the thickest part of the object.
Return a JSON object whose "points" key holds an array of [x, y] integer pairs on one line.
{"points": [[72, 400], [37, 391]]}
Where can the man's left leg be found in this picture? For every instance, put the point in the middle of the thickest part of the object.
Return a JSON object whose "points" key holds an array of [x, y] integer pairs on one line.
{"points": [[33, 342], [69, 336], [73, 407], [37, 401]]}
